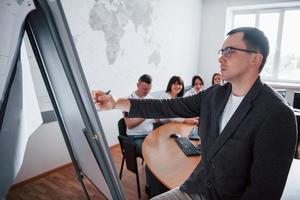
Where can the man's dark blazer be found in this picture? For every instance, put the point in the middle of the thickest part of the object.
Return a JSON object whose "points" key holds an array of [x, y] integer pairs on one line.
{"points": [[251, 157]]}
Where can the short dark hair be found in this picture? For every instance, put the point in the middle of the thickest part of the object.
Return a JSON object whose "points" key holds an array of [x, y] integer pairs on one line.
{"points": [[146, 78], [215, 74], [176, 79], [255, 40], [197, 77]]}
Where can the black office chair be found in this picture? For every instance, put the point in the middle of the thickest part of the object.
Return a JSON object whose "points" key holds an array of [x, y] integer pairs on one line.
{"points": [[128, 148]]}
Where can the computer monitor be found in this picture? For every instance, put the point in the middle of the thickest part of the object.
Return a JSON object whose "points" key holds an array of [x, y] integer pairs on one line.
{"points": [[296, 103]]}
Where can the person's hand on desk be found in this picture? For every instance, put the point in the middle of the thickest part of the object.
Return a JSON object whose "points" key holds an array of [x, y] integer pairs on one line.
{"points": [[104, 101]]}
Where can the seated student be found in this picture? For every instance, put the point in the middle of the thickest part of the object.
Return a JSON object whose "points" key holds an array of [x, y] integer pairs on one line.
{"points": [[139, 128], [197, 85], [217, 79], [175, 89]]}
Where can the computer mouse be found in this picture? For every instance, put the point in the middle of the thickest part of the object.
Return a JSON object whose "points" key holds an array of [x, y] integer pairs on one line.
{"points": [[175, 135]]}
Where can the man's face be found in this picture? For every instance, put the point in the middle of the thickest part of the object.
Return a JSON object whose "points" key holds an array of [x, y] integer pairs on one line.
{"points": [[143, 88], [236, 64]]}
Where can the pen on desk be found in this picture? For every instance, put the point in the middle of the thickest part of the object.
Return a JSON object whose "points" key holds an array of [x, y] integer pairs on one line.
{"points": [[107, 93]]}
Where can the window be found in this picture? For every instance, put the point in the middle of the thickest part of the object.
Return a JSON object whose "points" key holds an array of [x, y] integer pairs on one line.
{"points": [[279, 23]]}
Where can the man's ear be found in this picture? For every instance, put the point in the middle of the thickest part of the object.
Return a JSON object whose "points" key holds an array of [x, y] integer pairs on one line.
{"points": [[257, 59]]}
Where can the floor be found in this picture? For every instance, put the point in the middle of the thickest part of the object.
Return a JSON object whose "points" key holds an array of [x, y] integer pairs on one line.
{"points": [[63, 184]]}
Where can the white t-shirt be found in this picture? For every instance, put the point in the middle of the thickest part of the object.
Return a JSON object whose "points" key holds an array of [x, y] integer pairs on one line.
{"points": [[146, 126], [231, 105], [167, 95], [190, 92]]}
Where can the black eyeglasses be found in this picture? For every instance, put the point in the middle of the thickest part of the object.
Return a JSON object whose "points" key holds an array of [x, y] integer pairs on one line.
{"points": [[229, 50]]}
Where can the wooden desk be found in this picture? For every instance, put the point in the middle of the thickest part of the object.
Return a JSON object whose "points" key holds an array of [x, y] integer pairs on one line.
{"points": [[165, 159]]}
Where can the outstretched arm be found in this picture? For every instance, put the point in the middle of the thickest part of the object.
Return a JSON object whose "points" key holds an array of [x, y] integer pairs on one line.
{"points": [[151, 108]]}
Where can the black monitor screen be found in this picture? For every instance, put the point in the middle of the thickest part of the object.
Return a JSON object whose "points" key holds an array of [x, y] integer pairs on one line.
{"points": [[296, 100]]}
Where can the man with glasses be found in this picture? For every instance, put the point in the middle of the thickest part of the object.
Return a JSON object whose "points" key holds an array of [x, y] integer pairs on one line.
{"points": [[248, 132]]}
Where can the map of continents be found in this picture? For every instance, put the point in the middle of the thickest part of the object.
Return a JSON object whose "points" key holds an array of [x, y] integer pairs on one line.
{"points": [[112, 17]]}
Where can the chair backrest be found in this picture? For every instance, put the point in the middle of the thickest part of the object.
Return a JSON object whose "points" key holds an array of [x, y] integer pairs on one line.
{"points": [[130, 155], [122, 127], [122, 132], [128, 146]]}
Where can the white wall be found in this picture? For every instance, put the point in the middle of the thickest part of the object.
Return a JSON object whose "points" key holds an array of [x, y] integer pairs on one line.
{"points": [[212, 36], [45, 151]]}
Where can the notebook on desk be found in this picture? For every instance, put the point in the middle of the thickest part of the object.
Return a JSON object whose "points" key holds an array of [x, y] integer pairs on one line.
{"points": [[194, 134]]}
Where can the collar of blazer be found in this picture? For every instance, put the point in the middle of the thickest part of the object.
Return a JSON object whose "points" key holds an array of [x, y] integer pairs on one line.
{"points": [[236, 118]]}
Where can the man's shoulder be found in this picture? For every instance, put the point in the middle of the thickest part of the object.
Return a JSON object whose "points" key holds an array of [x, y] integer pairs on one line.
{"points": [[148, 96], [271, 102], [132, 95], [272, 96]]}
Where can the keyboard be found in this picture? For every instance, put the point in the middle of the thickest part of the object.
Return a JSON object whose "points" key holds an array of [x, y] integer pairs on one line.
{"points": [[187, 147], [194, 134]]}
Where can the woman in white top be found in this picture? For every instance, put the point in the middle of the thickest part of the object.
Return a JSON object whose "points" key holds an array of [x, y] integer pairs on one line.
{"points": [[197, 85], [175, 89]]}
